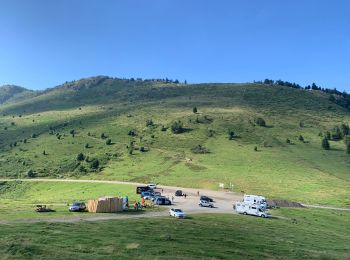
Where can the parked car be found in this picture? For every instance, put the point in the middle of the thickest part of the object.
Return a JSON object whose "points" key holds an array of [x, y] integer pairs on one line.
{"points": [[147, 195], [77, 206], [177, 213], [206, 198], [205, 203], [178, 193], [157, 196], [152, 186], [141, 189], [162, 201]]}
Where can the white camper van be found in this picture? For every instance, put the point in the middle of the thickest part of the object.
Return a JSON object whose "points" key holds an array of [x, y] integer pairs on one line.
{"points": [[251, 209], [255, 199]]}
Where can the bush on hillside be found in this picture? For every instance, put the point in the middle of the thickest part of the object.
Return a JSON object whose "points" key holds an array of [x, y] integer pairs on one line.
{"points": [[194, 110], [30, 173], [260, 121], [103, 136], [325, 144], [301, 138], [95, 164], [231, 135], [199, 149], [177, 127], [80, 157], [149, 122], [132, 132], [108, 142]]}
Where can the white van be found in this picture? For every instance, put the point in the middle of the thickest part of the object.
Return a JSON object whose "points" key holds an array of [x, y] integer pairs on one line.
{"points": [[251, 209], [255, 199]]}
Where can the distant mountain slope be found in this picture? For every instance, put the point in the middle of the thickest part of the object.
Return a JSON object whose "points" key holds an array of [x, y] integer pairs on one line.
{"points": [[12, 93], [124, 130]]}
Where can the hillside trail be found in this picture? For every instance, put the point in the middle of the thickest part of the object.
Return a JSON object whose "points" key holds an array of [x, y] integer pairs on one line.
{"points": [[223, 203]]}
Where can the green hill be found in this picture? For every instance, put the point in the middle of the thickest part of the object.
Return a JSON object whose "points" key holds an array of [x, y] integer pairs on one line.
{"points": [[44, 133], [12, 93]]}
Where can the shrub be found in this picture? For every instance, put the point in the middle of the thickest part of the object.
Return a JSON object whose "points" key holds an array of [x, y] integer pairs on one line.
{"points": [[103, 136], [34, 135], [301, 138], [44, 152], [231, 135], [177, 127], [30, 173], [336, 134], [108, 142], [143, 149], [149, 122], [260, 121], [163, 129], [87, 145], [72, 132], [325, 144], [132, 132], [255, 148], [328, 135], [344, 128], [24, 141], [287, 141], [194, 110], [80, 157], [94, 164], [200, 149]]}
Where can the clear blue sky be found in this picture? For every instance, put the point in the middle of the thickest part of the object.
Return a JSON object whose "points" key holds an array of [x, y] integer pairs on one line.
{"points": [[44, 43]]}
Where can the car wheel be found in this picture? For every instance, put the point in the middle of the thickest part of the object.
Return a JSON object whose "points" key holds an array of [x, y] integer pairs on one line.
{"points": [[263, 216], [244, 213]]}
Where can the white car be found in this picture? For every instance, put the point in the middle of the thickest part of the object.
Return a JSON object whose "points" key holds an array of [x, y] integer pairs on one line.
{"points": [[205, 203], [177, 213], [152, 186]]}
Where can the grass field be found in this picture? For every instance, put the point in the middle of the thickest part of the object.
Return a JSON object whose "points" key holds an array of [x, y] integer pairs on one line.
{"points": [[300, 171], [312, 234], [18, 199]]}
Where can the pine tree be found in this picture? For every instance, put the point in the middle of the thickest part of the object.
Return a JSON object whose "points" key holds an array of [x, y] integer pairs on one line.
{"points": [[325, 144]]}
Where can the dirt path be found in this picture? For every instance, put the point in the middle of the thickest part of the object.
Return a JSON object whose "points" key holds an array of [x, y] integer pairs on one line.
{"points": [[223, 202]]}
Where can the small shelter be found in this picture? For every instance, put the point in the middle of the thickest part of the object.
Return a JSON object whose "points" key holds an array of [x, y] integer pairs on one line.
{"points": [[105, 205]]}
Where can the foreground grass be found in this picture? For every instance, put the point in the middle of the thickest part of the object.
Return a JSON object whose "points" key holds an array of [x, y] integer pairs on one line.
{"points": [[309, 234]]}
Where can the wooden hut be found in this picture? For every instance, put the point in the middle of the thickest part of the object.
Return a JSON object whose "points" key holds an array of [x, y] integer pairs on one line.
{"points": [[105, 205]]}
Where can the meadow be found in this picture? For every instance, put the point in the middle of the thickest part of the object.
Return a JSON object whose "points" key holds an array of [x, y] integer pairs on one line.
{"points": [[63, 122], [310, 234]]}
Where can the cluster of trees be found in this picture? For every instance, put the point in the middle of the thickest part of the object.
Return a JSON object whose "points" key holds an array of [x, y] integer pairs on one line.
{"points": [[338, 133], [166, 80], [336, 96]]}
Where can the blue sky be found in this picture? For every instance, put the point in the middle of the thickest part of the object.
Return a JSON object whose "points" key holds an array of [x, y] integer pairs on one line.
{"points": [[45, 43]]}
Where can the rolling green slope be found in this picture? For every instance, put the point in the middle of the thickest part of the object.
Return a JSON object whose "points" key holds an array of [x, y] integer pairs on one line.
{"points": [[63, 120]]}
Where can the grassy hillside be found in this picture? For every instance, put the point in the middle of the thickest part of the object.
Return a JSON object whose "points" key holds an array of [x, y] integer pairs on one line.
{"points": [[311, 234], [12, 93], [71, 118]]}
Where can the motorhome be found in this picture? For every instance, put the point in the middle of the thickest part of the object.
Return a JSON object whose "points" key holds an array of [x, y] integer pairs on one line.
{"points": [[251, 209], [255, 199]]}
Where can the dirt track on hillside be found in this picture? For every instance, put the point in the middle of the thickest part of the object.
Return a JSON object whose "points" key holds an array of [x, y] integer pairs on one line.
{"points": [[223, 202]]}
